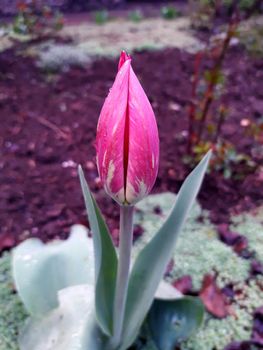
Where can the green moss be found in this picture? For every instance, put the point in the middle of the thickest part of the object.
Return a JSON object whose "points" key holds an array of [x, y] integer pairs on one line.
{"points": [[250, 225], [251, 35], [54, 58], [12, 313], [217, 334], [249, 296], [198, 250]]}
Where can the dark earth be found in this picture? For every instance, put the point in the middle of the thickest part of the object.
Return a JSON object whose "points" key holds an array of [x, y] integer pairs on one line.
{"points": [[48, 127]]}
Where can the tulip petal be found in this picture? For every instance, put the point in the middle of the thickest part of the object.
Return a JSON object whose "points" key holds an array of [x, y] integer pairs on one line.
{"points": [[123, 58], [110, 136], [127, 139], [143, 159]]}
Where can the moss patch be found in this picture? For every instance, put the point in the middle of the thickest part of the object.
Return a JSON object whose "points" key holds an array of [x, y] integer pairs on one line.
{"points": [[250, 225], [12, 312], [199, 251], [251, 35], [119, 34], [216, 334]]}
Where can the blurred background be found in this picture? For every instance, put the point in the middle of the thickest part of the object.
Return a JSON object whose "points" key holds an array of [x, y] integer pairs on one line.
{"points": [[200, 63]]}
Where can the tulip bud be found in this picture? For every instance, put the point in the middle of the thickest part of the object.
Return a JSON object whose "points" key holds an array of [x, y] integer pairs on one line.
{"points": [[127, 140]]}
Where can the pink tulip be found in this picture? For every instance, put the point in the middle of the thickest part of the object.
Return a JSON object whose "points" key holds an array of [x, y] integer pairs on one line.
{"points": [[127, 139]]}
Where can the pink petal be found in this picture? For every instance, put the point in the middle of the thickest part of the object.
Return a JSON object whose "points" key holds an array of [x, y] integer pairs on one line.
{"points": [[110, 135], [143, 159], [127, 139], [123, 58]]}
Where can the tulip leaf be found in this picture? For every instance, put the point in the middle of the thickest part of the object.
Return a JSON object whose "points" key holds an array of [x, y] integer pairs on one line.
{"points": [[72, 325], [41, 270], [151, 262], [172, 321], [106, 261]]}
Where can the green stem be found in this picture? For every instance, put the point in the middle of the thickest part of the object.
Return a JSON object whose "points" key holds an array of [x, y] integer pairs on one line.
{"points": [[125, 246]]}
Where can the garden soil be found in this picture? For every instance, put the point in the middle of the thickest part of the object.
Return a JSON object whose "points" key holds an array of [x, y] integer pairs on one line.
{"points": [[48, 127]]}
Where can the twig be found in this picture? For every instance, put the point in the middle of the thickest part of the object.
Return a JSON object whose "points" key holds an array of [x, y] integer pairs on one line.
{"points": [[222, 117], [51, 126], [209, 95], [192, 110]]}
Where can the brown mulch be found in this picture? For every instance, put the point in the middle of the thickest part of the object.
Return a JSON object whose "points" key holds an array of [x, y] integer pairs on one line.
{"points": [[48, 126]]}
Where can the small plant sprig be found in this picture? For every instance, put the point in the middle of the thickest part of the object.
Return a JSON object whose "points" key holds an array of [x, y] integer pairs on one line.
{"points": [[204, 130], [204, 12], [170, 12], [255, 129], [71, 311], [199, 109], [101, 17], [136, 16], [36, 21]]}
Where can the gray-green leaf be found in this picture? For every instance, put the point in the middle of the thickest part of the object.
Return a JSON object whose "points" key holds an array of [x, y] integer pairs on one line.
{"points": [[173, 321], [151, 263], [71, 326], [106, 261], [41, 270]]}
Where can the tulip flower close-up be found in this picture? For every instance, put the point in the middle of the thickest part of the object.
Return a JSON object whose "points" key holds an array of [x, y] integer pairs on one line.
{"points": [[114, 116], [127, 138], [105, 304]]}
